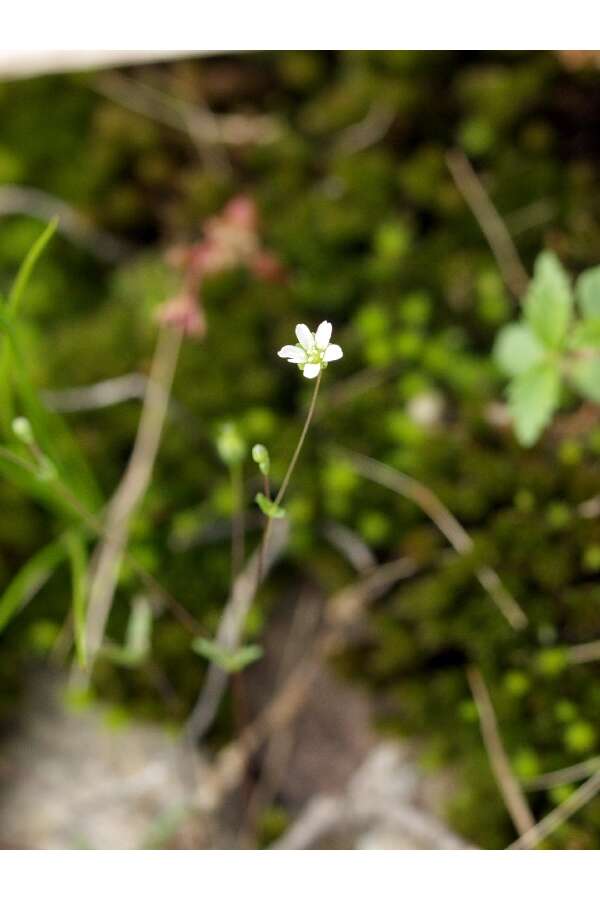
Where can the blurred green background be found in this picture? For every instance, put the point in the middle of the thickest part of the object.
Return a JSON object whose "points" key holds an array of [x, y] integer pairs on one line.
{"points": [[347, 163]]}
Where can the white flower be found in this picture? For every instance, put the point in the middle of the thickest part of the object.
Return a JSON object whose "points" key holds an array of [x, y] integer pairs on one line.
{"points": [[313, 350]]}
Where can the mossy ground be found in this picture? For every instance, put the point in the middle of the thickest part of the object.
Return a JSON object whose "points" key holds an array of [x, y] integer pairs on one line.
{"points": [[379, 241]]}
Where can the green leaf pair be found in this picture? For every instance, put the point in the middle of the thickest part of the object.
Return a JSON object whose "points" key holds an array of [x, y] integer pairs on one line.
{"points": [[229, 660], [269, 508]]}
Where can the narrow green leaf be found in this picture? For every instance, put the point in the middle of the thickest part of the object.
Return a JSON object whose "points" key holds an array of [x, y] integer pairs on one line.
{"points": [[585, 375], [138, 637], [51, 433], [517, 349], [27, 266], [533, 397], [139, 628], [27, 477], [269, 508], [549, 300], [78, 560], [587, 290], [12, 304], [30, 580]]}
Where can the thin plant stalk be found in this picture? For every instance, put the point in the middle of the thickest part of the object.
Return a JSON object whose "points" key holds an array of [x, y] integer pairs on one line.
{"points": [[237, 560], [286, 479], [206, 707], [132, 487], [237, 520]]}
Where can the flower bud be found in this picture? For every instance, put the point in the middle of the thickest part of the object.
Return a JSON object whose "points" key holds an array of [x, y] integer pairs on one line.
{"points": [[231, 446], [260, 455], [22, 429]]}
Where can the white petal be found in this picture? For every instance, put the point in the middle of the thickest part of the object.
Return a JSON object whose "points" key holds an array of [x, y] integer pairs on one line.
{"points": [[304, 335], [334, 351], [294, 354], [311, 370], [323, 335]]}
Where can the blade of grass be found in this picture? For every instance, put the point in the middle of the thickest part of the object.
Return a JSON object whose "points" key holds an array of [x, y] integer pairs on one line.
{"points": [[27, 266], [30, 579], [51, 433], [77, 554], [12, 304]]}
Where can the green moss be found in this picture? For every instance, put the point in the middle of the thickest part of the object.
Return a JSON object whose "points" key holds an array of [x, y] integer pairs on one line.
{"points": [[378, 239]]}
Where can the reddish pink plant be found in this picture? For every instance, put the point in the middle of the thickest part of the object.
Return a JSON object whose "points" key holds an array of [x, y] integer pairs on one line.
{"points": [[229, 239]]}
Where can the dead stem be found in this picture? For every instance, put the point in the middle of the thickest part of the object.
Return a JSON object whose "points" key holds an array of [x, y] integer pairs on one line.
{"points": [[498, 237], [132, 487], [559, 815], [450, 527], [510, 788]]}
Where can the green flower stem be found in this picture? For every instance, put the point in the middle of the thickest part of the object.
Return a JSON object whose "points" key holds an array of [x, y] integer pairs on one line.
{"points": [[294, 459], [286, 481], [267, 486]]}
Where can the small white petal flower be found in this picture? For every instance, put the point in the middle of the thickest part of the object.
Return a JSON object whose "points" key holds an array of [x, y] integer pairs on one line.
{"points": [[311, 370], [293, 354], [332, 352], [313, 351], [323, 335], [305, 337]]}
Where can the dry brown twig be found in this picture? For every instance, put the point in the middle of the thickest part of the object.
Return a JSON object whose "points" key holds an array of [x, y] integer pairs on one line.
{"points": [[29, 201], [108, 392], [510, 788], [132, 487], [209, 132], [350, 545], [450, 527], [563, 776], [583, 653], [498, 236], [578, 799], [368, 131]]}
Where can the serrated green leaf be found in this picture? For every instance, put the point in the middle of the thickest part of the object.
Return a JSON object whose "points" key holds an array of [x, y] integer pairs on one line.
{"points": [[517, 349], [587, 291], [269, 507], [229, 660], [533, 396], [549, 300], [585, 375], [586, 334]]}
